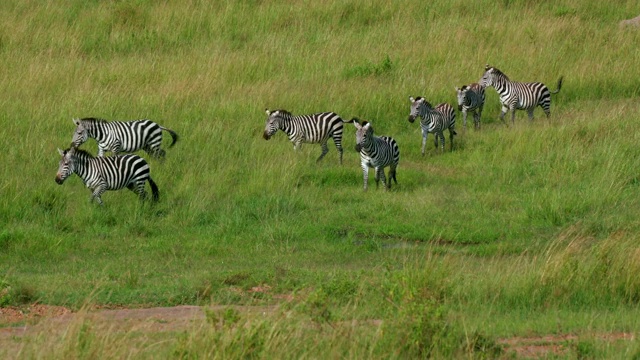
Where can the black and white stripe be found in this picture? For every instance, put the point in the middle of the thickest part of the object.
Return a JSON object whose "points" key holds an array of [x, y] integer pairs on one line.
{"points": [[434, 120], [517, 95], [376, 152], [122, 136], [106, 173], [312, 129], [471, 99]]}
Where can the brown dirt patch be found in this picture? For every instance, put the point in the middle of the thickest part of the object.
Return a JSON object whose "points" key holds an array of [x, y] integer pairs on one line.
{"points": [[537, 347]]}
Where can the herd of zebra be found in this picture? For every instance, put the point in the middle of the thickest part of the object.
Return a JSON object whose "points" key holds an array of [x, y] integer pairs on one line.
{"points": [[378, 152]]}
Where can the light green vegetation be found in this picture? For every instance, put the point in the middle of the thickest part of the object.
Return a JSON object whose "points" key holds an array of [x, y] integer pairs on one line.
{"points": [[521, 230]]}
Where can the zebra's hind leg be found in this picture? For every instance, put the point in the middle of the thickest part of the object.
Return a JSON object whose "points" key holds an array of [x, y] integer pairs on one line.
{"points": [[530, 113], [392, 174], [451, 134], [380, 177], [325, 150], [138, 188]]}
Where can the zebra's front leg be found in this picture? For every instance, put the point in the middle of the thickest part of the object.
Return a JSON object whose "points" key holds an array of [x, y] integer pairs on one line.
{"points": [[97, 192], [424, 141], [503, 112], [464, 119], [513, 116], [365, 173], [530, 113], [325, 150]]}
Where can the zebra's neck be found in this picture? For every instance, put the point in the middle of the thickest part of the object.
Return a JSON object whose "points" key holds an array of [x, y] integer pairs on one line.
{"points": [[81, 165], [95, 129], [287, 125], [428, 114], [502, 85]]}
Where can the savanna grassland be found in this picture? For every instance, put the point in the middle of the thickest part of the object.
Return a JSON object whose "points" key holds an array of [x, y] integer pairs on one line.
{"points": [[522, 230]]}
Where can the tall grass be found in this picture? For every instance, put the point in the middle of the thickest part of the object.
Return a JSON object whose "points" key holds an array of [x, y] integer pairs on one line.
{"points": [[518, 230]]}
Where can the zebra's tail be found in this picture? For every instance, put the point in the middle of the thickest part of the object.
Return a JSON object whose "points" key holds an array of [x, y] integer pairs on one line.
{"points": [[174, 135], [559, 85], [154, 189]]}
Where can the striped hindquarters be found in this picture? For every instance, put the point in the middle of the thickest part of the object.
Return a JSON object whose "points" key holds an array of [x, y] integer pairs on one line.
{"points": [[384, 152], [317, 128], [133, 135], [120, 171], [445, 117]]}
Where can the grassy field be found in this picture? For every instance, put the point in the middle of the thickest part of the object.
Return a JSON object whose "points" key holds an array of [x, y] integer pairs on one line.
{"points": [[523, 230]]}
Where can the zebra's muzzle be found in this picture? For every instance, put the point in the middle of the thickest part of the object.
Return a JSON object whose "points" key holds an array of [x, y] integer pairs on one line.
{"points": [[411, 119], [266, 136], [358, 147], [459, 107], [59, 180]]}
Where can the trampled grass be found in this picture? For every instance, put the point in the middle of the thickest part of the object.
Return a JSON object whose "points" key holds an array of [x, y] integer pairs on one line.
{"points": [[525, 229]]}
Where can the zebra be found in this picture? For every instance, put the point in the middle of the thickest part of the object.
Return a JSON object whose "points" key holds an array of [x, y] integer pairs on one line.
{"points": [[434, 120], [376, 152], [122, 136], [471, 98], [311, 129], [106, 173], [517, 95]]}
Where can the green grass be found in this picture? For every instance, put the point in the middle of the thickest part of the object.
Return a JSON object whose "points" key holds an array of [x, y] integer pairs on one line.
{"points": [[522, 230]]}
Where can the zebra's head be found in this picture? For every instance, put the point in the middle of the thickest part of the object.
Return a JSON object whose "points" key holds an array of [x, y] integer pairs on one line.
{"points": [[417, 105], [80, 135], [66, 166], [273, 123], [491, 75], [364, 133], [461, 94]]}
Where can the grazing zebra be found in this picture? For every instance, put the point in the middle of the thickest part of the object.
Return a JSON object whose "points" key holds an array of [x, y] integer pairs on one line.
{"points": [[434, 120], [311, 129], [106, 173], [471, 98], [122, 136], [517, 95], [376, 152]]}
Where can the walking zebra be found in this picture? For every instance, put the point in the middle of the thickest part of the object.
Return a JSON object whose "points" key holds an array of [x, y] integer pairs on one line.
{"points": [[376, 152], [434, 120], [122, 136], [471, 98], [311, 129], [106, 173], [517, 95]]}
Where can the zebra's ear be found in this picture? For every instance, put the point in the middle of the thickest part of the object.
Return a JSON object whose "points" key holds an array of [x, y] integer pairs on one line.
{"points": [[76, 121], [61, 152], [487, 67], [412, 99], [367, 125], [267, 111], [457, 88], [356, 123]]}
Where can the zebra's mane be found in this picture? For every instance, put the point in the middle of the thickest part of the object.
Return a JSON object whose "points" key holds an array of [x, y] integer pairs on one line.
{"points": [[499, 73], [425, 101], [93, 120], [83, 154], [284, 112]]}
